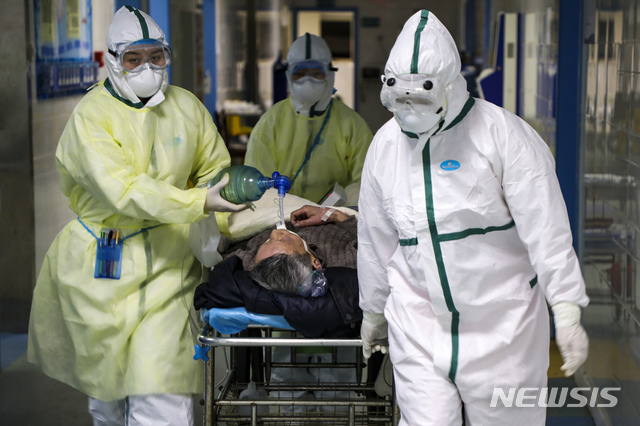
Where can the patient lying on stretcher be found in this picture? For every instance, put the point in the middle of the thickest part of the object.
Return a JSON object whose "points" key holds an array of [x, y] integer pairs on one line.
{"points": [[309, 276]]}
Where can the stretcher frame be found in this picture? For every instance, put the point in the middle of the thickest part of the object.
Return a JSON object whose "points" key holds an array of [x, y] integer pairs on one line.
{"points": [[363, 410]]}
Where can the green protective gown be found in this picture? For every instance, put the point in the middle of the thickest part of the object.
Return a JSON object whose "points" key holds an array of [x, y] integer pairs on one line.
{"points": [[130, 169], [281, 139]]}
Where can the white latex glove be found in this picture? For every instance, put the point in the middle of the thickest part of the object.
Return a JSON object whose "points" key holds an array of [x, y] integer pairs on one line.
{"points": [[216, 203], [374, 334], [571, 338]]}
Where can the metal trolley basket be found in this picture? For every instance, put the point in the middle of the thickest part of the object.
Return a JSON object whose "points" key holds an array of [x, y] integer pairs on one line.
{"points": [[254, 347]]}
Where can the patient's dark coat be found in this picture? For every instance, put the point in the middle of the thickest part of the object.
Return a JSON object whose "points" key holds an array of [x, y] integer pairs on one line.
{"points": [[336, 314]]}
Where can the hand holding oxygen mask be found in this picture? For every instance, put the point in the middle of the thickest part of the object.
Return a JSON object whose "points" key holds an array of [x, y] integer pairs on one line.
{"points": [[216, 202], [235, 187]]}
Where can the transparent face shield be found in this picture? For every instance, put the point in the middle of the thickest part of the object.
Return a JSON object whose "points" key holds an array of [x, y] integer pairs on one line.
{"points": [[136, 56], [418, 93]]}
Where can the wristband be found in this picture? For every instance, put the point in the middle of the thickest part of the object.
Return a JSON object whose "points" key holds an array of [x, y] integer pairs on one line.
{"points": [[328, 214]]}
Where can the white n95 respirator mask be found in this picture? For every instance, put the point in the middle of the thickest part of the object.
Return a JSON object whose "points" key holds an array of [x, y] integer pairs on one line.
{"points": [[307, 91], [418, 101], [310, 85], [145, 83]]}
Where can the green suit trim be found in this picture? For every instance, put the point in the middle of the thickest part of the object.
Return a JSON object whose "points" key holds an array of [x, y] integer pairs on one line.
{"points": [[474, 231], [143, 23], [307, 46], [436, 239], [424, 17], [127, 102], [409, 241], [442, 273], [465, 110]]}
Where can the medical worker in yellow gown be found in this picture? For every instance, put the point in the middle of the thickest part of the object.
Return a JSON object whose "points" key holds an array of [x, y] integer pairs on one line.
{"points": [[125, 158], [312, 137]]}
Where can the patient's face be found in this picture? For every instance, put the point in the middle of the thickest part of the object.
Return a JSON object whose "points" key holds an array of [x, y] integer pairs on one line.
{"points": [[280, 241]]}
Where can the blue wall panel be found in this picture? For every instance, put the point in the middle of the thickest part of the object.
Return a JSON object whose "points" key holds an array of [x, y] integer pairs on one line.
{"points": [[569, 111]]}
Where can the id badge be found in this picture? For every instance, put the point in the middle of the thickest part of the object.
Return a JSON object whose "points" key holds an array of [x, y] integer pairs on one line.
{"points": [[109, 254]]}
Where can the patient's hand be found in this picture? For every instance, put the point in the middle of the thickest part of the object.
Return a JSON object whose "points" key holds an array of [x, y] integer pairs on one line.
{"points": [[313, 215]]}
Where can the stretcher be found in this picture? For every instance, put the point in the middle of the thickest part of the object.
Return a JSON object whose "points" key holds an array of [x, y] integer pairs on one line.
{"points": [[360, 406]]}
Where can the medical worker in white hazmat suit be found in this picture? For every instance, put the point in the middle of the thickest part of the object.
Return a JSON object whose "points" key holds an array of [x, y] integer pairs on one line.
{"points": [[463, 233], [118, 329]]}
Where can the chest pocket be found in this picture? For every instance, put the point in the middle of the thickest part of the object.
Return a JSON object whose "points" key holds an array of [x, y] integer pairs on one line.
{"points": [[403, 215], [468, 197]]}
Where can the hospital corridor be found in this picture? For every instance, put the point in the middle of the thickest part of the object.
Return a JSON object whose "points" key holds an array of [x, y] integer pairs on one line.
{"points": [[348, 212]]}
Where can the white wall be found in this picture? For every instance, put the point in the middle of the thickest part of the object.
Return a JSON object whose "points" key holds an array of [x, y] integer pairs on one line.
{"points": [[102, 14]]}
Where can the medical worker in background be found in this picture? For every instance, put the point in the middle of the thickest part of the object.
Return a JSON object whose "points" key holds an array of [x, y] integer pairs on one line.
{"points": [[125, 159], [311, 137], [463, 233]]}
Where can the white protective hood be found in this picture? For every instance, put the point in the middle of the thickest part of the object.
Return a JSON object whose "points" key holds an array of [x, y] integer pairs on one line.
{"points": [[311, 47], [425, 46], [130, 25]]}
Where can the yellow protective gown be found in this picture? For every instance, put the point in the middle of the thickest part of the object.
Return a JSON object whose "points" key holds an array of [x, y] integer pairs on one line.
{"points": [[281, 139], [127, 168]]}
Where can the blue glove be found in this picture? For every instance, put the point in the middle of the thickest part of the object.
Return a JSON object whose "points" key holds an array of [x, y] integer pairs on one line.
{"points": [[234, 320]]}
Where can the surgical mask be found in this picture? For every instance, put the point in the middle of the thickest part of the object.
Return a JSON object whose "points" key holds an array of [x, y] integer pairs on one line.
{"points": [[145, 83], [308, 90]]}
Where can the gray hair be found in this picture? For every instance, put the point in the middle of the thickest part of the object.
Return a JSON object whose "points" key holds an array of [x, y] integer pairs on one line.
{"points": [[283, 272]]}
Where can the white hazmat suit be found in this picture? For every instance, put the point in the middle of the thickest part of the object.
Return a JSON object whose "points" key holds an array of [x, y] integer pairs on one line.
{"points": [[462, 234]]}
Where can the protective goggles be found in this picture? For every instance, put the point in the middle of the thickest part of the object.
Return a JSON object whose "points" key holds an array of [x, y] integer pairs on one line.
{"points": [[135, 57], [305, 70], [418, 92]]}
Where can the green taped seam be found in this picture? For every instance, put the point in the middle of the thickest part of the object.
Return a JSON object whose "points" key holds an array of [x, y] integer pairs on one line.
{"points": [[465, 110], [143, 23], [307, 45], [411, 135], [442, 273], [455, 323], [474, 231], [110, 89], [424, 17], [533, 282], [409, 241]]}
